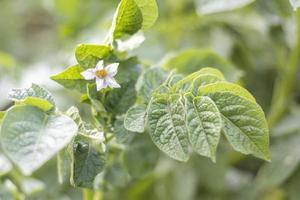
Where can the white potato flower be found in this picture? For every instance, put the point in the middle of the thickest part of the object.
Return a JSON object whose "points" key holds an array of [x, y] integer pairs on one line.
{"points": [[104, 75]]}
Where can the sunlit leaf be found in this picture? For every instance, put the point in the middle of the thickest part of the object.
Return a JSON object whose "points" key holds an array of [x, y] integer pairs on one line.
{"points": [[71, 78], [87, 163], [204, 124], [135, 119], [35, 96], [88, 55], [166, 122], [29, 137]]}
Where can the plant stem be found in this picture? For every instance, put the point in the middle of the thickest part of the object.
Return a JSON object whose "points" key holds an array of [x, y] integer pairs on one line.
{"points": [[285, 86], [87, 194]]}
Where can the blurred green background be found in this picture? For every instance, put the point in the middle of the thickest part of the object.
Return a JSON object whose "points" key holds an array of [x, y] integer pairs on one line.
{"points": [[259, 42]]}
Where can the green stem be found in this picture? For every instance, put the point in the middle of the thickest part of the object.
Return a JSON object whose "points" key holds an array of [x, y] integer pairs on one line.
{"points": [[284, 88], [87, 194]]}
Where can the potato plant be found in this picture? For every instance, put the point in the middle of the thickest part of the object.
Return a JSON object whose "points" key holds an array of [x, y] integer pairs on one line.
{"points": [[191, 106]]}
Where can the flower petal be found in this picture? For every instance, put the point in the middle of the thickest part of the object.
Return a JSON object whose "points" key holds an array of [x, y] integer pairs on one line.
{"points": [[100, 65], [88, 74], [112, 82], [101, 84], [112, 69]]}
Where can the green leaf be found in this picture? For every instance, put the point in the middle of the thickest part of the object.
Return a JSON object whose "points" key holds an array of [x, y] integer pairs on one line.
{"points": [[226, 87], [35, 96], [129, 70], [149, 11], [215, 6], [285, 160], [29, 137], [166, 122], [150, 80], [204, 124], [244, 121], [192, 60], [128, 19], [200, 78], [122, 135], [295, 4], [87, 164], [146, 154], [88, 55], [120, 100], [71, 78], [135, 119], [5, 165]]}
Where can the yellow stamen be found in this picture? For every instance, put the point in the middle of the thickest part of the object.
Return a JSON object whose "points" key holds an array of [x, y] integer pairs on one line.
{"points": [[101, 73]]}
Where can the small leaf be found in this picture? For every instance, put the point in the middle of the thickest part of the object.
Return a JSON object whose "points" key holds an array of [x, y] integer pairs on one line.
{"points": [[150, 80], [35, 96], [128, 19], [122, 135], [215, 6], [135, 119], [204, 124], [166, 122], [149, 11], [87, 164], [245, 125], [88, 55], [71, 78], [30, 138]]}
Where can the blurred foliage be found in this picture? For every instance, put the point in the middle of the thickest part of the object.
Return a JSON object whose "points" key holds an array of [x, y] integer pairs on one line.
{"points": [[259, 41]]}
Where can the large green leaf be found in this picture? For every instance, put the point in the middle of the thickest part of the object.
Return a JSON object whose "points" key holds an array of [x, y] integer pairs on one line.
{"points": [[192, 60], [150, 80], [285, 160], [128, 19], [215, 6], [166, 122], [135, 119], [88, 55], [245, 125], [71, 78], [30, 138], [204, 124], [87, 164], [35, 96]]}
